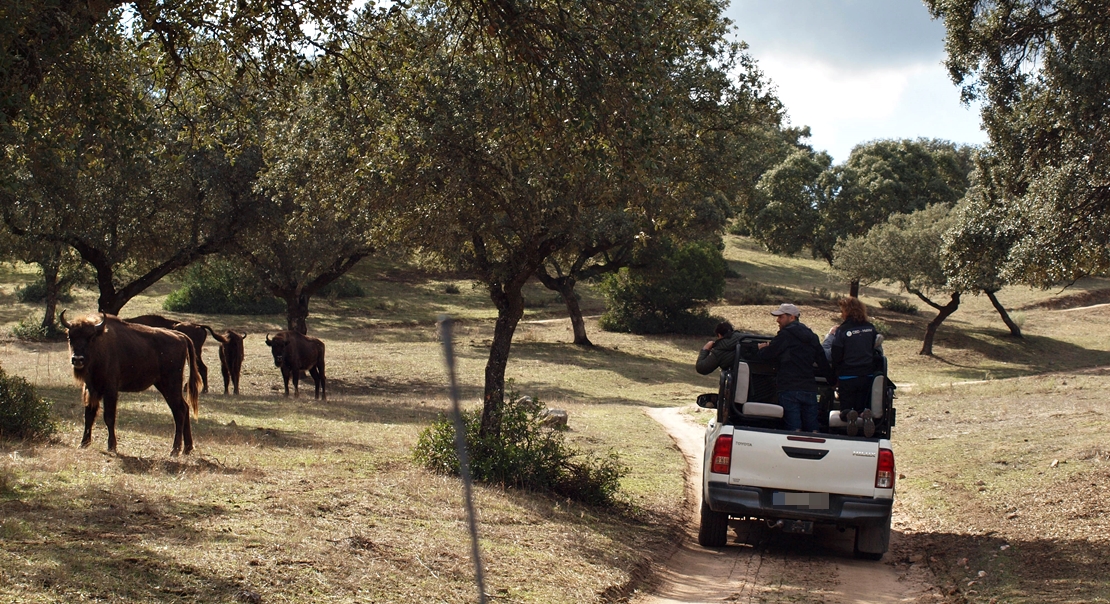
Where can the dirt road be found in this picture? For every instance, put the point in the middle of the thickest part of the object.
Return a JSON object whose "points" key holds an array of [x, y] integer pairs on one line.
{"points": [[768, 566]]}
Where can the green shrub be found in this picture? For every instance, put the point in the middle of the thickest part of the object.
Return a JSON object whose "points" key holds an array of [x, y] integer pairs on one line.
{"points": [[667, 295], [899, 305], [881, 326], [31, 330], [35, 293], [219, 286], [23, 415], [757, 294], [527, 454], [343, 287]]}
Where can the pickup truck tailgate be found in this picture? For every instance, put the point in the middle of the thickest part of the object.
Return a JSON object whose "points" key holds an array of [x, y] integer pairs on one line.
{"points": [[811, 463]]}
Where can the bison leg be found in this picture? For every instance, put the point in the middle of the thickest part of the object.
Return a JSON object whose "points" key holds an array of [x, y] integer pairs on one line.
{"points": [[92, 407], [316, 381], [285, 378], [110, 400], [227, 374], [202, 369], [296, 384]]}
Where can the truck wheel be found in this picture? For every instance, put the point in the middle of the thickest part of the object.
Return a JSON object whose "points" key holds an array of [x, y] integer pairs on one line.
{"points": [[872, 541], [713, 531]]}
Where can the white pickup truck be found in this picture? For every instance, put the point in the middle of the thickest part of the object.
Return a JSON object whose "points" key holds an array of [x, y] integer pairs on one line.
{"points": [[754, 470]]}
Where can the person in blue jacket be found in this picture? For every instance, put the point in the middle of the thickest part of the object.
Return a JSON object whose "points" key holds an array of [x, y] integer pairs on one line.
{"points": [[798, 359]]}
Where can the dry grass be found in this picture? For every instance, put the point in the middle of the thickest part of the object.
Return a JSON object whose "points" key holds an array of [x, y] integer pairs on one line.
{"points": [[294, 500]]}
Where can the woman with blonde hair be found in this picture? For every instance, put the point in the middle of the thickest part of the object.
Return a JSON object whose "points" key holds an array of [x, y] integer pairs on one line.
{"points": [[852, 357]]}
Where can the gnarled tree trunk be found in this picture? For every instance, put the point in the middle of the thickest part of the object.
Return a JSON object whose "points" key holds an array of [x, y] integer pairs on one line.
{"points": [[1014, 329], [943, 312]]}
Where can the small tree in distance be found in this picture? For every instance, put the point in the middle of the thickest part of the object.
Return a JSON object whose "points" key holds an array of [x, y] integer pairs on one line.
{"points": [[905, 250]]}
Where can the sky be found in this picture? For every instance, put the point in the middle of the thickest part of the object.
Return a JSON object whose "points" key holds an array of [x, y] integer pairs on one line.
{"points": [[856, 70]]}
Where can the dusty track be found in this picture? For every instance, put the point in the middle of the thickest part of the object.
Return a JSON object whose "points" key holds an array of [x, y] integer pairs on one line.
{"points": [[770, 566]]}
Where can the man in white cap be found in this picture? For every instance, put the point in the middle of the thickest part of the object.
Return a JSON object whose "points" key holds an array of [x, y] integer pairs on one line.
{"points": [[794, 351]]}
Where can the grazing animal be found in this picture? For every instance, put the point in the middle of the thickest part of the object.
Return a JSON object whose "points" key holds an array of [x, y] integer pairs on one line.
{"points": [[195, 332], [294, 353], [231, 356], [110, 356]]}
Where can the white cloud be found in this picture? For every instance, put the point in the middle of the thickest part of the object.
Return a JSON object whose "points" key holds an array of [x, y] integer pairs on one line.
{"points": [[856, 70]]}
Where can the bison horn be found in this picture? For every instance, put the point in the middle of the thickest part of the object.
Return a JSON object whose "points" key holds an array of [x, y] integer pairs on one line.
{"points": [[267, 339], [102, 320], [62, 319]]}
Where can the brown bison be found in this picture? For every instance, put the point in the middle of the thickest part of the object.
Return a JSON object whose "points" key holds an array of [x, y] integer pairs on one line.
{"points": [[195, 332], [295, 353], [110, 356], [231, 356]]}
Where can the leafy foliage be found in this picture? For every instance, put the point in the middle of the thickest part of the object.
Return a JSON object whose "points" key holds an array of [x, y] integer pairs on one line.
{"points": [[35, 292], [31, 329], [23, 415], [906, 250], [899, 305], [668, 294], [1042, 70], [527, 454], [220, 286]]}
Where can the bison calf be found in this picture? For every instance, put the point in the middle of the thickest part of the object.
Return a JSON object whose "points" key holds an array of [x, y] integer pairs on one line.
{"points": [[294, 353], [231, 356], [109, 356]]}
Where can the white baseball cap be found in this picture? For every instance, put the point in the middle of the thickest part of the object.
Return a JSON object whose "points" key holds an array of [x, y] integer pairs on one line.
{"points": [[786, 309]]}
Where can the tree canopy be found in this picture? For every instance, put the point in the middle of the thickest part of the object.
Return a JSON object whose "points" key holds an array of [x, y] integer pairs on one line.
{"points": [[1042, 70]]}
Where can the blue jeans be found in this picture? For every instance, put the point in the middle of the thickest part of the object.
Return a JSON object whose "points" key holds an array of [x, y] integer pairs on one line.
{"points": [[799, 410]]}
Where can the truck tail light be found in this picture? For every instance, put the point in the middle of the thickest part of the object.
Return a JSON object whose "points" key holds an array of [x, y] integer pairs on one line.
{"points": [[722, 455], [884, 475]]}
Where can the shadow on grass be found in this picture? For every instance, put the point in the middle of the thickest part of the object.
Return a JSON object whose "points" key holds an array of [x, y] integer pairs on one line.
{"points": [[1025, 356], [96, 551], [1035, 570]]}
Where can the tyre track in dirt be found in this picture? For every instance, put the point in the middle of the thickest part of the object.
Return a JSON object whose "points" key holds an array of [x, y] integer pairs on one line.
{"points": [[770, 567]]}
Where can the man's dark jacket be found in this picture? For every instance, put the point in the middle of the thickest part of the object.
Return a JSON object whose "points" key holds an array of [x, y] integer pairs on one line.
{"points": [[722, 354], [794, 350]]}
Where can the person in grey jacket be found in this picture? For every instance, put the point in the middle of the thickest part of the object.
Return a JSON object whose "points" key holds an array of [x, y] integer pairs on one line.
{"points": [[794, 351]]}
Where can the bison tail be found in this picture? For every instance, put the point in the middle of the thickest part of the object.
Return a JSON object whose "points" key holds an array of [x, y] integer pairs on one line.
{"points": [[192, 388]]}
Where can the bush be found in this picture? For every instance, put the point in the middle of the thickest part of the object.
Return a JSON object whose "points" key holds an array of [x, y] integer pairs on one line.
{"points": [[668, 294], [757, 294], [31, 330], [343, 287], [899, 305], [451, 288], [881, 327], [219, 286], [23, 415], [527, 454], [35, 293]]}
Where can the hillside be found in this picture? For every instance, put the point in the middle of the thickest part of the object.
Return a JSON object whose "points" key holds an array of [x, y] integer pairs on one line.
{"points": [[999, 444]]}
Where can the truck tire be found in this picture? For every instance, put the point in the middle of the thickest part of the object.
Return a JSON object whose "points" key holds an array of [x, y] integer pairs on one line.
{"points": [[713, 531], [872, 541]]}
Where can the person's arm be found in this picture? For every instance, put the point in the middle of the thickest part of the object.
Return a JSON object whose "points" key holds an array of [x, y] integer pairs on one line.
{"points": [[707, 360]]}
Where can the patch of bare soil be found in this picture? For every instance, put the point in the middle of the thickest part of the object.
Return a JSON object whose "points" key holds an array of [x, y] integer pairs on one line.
{"points": [[765, 566]]}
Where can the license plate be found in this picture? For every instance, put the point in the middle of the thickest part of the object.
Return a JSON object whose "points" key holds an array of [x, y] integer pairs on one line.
{"points": [[807, 501]]}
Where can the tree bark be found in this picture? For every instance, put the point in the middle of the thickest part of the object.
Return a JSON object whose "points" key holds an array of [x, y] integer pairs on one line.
{"points": [[510, 309], [50, 270], [943, 312], [853, 289], [1014, 329], [296, 312], [565, 286]]}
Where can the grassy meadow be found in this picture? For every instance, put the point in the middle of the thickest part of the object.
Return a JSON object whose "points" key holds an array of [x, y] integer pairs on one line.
{"points": [[1000, 445]]}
